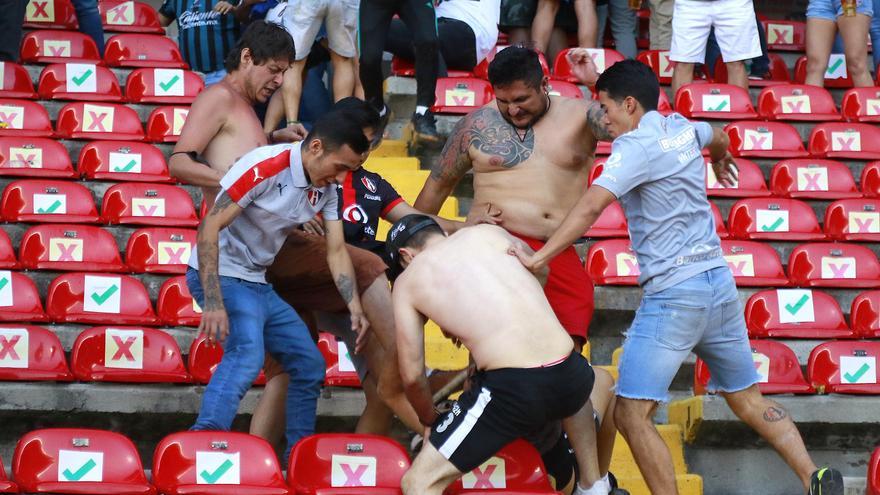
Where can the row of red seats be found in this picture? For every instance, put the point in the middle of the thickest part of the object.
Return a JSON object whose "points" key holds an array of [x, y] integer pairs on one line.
{"points": [[95, 83], [116, 15], [46, 46], [755, 264], [228, 463], [838, 367], [811, 314], [79, 120], [64, 201]]}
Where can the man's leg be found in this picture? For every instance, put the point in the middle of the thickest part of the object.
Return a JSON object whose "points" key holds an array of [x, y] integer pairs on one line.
{"points": [[542, 25], [737, 74], [421, 19], [90, 21], [624, 27], [341, 24], [603, 400], [581, 431], [430, 473], [585, 10], [11, 28], [660, 24], [267, 421], [854, 31], [820, 37], [691, 25], [635, 420], [375, 16]]}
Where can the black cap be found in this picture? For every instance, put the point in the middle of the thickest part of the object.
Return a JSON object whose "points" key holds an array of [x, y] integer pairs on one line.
{"points": [[400, 233]]}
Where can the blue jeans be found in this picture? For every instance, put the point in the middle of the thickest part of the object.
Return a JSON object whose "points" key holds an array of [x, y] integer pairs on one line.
{"points": [[214, 77], [875, 34], [259, 322], [90, 21], [701, 314], [624, 26]]}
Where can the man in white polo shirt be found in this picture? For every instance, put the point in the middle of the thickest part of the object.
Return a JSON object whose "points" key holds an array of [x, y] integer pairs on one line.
{"points": [[267, 193]]}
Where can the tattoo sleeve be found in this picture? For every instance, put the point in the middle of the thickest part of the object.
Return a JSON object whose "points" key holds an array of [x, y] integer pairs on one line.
{"points": [[209, 256], [346, 287], [594, 119], [454, 161]]}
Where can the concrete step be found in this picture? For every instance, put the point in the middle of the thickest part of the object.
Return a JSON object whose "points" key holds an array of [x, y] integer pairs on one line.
{"points": [[688, 484]]}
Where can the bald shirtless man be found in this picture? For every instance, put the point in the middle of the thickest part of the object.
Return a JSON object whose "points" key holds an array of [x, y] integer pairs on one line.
{"points": [[531, 154], [528, 370]]}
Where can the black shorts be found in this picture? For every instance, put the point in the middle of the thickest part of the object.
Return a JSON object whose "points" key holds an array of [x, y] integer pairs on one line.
{"points": [[520, 13], [508, 403]]}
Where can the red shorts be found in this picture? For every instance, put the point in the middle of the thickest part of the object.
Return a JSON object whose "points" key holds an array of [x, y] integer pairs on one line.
{"points": [[569, 289]]}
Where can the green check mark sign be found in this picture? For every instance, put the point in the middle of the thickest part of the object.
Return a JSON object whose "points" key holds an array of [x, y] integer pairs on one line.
{"points": [[130, 165], [793, 309], [213, 477], [82, 77], [854, 377], [832, 68], [100, 299], [79, 473], [169, 83], [52, 208], [772, 227], [721, 106]]}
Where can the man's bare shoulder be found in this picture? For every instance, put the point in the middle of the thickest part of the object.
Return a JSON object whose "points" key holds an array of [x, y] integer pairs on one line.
{"points": [[216, 94]]}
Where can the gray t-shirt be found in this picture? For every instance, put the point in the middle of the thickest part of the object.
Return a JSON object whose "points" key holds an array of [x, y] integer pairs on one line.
{"points": [[269, 183], [658, 174]]}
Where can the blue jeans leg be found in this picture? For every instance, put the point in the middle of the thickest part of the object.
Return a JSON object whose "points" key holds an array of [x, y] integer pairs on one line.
{"points": [[90, 21], [623, 27], [875, 34]]}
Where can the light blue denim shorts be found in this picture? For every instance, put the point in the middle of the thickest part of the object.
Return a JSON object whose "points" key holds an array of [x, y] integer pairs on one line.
{"points": [[701, 314], [832, 9]]}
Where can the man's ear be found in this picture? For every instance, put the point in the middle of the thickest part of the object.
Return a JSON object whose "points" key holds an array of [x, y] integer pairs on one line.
{"points": [[246, 57], [406, 254], [316, 146]]}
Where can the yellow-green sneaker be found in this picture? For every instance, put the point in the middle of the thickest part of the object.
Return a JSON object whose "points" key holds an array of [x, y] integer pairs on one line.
{"points": [[826, 481]]}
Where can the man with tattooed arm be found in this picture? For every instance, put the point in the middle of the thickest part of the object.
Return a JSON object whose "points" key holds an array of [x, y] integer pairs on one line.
{"points": [[267, 193]]}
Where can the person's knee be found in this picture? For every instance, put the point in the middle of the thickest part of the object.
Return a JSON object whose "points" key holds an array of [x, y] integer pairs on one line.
{"points": [[856, 64], [628, 413], [735, 67], [308, 367]]}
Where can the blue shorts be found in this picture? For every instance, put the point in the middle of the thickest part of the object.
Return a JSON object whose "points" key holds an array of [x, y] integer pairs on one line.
{"points": [[832, 9], [701, 314]]}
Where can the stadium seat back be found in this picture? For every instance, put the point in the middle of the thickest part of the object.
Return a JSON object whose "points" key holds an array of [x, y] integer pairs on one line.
{"points": [[127, 354], [163, 86], [461, 95], [840, 265], [74, 460], [870, 179], [813, 179], [795, 314], [402, 67], [47, 46], [48, 201], [563, 88], [203, 360], [663, 105], [100, 299], [777, 366], [789, 36], [19, 299], [128, 161], [749, 184], [340, 369], [611, 223], [774, 218], [24, 118], [861, 105], [160, 250], [603, 58], [50, 14], [362, 464], [874, 473], [79, 82], [31, 353], [142, 50], [613, 262], [7, 253], [516, 468], [69, 247], [216, 463], [99, 121], [865, 314], [6, 486], [720, 228], [845, 367], [658, 61], [148, 204], [853, 220], [836, 74], [845, 140], [34, 157], [165, 124], [714, 101], [129, 17], [176, 305], [754, 264], [797, 102], [778, 73], [764, 140], [15, 81]]}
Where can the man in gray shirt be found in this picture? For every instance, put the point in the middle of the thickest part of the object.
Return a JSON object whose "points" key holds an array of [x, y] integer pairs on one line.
{"points": [[690, 301]]}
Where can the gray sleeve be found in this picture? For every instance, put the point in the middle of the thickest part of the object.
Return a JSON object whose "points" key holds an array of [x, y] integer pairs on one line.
{"points": [[704, 133], [330, 211], [625, 169]]}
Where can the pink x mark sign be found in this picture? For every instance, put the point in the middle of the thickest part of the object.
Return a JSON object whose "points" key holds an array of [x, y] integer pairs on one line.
{"points": [[812, 182], [632, 266], [124, 350], [780, 35], [97, 121], [864, 226], [7, 347], [737, 268], [25, 160], [353, 476], [8, 118], [876, 108], [460, 101], [483, 477], [846, 144], [66, 252], [57, 51], [175, 256], [796, 106], [838, 271], [119, 13], [40, 9], [758, 143], [147, 212]]}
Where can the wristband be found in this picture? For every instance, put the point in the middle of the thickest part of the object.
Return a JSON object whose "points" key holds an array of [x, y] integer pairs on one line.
{"points": [[289, 122]]}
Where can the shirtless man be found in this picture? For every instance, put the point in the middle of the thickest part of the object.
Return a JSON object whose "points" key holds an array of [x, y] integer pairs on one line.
{"points": [[528, 370]]}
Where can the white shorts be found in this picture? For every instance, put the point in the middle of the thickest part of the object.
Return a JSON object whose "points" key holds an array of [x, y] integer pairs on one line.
{"points": [[303, 19], [735, 29]]}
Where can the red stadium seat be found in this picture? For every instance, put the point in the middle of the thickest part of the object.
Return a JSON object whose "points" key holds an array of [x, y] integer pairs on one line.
{"points": [[6, 486], [611, 223], [19, 300], [845, 367], [596, 171], [563, 88], [216, 463], [143, 50], [461, 95], [7, 253], [658, 61], [341, 464], [129, 17], [129, 161], [163, 86], [874, 473], [69, 247], [836, 75], [845, 140], [774, 218], [778, 73], [99, 299], [148, 204], [176, 305], [402, 67], [861, 105], [797, 102], [789, 36], [166, 123], [340, 369], [776, 364], [749, 184], [870, 180], [23, 118], [853, 220], [58, 47], [795, 314], [31, 353], [74, 460], [48, 201], [813, 179], [515, 469], [34, 157], [714, 101], [80, 82], [160, 250], [663, 105], [720, 228], [865, 314], [104, 121], [50, 14], [834, 265], [204, 358], [613, 262], [764, 140], [15, 82], [132, 355], [754, 264], [602, 57]]}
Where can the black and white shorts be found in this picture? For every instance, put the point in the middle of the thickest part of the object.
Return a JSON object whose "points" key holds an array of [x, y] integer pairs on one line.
{"points": [[508, 403]]}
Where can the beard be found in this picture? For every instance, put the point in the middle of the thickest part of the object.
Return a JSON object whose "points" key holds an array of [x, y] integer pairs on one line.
{"points": [[535, 118]]}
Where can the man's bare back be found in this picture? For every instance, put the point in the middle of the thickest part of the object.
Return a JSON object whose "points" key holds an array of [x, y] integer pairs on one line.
{"points": [[477, 292]]}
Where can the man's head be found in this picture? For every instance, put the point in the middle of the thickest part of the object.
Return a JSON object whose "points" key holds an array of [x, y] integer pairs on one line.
{"points": [[364, 115], [520, 86], [335, 146], [261, 55], [627, 90], [407, 238]]}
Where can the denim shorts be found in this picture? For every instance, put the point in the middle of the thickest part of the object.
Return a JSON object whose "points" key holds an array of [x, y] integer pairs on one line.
{"points": [[832, 9], [701, 314]]}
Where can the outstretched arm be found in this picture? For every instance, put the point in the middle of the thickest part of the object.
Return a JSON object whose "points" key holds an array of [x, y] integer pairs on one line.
{"points": [[344, 276], [453, 163]]}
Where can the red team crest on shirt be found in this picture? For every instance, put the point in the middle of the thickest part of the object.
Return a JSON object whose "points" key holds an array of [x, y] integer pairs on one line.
{"points": [[369, 184], [353, 213], [314, 196]]}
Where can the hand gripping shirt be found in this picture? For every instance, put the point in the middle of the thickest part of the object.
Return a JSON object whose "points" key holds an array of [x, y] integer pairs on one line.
{"points": [[658, 174], [270, 185]]}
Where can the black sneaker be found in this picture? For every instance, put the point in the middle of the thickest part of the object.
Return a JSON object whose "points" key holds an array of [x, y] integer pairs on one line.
{"points": [[614, 489], [826, 481], [425, 128]]}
